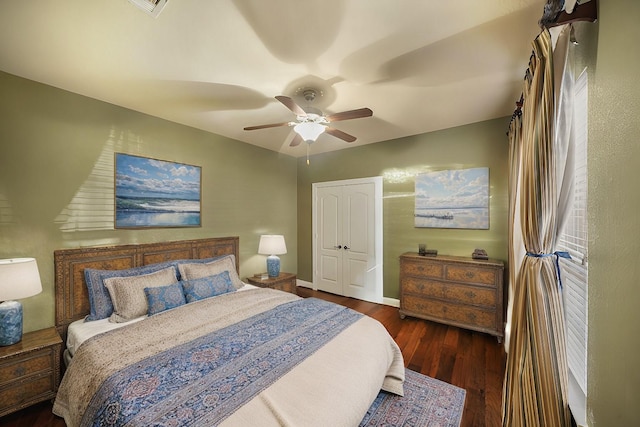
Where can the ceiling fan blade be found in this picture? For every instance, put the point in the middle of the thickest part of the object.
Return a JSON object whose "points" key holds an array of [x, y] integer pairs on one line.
{"points": [[339, 134], [351, 114], [291, 105], [272, 125], [297, 139]]}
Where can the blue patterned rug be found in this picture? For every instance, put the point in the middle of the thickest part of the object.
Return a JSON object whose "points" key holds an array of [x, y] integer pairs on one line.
{"points": [[426, 402]]}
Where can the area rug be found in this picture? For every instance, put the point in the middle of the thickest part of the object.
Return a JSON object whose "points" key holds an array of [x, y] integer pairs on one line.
{"points": [[426, 402]]}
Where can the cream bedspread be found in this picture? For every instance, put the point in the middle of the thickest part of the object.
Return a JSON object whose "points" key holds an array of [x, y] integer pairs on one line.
{"points": [[334, 386]]}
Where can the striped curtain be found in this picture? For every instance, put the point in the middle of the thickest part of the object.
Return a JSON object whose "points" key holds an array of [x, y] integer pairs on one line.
{"points": [[535, 386]]}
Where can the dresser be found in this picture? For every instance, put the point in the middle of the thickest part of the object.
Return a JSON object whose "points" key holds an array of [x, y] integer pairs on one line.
{"points": [[458, 291], [29, 370], [283, 282]]}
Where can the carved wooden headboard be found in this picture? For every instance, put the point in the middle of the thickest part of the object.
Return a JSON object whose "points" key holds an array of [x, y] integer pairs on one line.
{"points": [[72, 297]]}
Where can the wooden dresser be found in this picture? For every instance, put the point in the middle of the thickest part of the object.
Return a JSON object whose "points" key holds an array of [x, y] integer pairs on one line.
{"points": [[29, 370], [458, 291]]}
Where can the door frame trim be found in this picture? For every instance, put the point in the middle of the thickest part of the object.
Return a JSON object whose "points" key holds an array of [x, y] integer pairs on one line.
{"points": [[378, 227]]}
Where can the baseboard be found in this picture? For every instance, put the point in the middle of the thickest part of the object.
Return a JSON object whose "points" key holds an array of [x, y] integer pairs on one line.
{"points": [[393, 302], [304, 283]]}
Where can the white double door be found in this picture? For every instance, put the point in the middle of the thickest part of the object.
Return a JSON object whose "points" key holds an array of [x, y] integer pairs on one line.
{"points": [[347, 231]]}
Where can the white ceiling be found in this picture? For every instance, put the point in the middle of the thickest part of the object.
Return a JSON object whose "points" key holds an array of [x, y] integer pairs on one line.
{"points": [[420, 65]]}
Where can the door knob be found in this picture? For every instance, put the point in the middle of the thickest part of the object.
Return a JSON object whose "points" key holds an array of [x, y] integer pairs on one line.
{"points": [[338, 247], [346, 247]]}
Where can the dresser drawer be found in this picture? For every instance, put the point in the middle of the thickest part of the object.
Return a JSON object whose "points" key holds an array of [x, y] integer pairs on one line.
{"points": [[461, 273], [18, 367], [423, 269], [472, 295], [23, 393], [453, 313]]}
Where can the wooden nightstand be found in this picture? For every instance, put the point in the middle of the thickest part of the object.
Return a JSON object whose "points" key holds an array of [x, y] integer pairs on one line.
{"points": [[284, 282], [29, 370]]}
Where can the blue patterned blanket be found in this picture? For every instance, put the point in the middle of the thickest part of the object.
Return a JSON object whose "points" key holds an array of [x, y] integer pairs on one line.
{"points": [[203, 381]]}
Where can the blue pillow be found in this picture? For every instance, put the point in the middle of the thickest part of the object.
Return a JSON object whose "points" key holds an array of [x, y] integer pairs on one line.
{"points": [[207, 287], [163, 298], [100, 303]]}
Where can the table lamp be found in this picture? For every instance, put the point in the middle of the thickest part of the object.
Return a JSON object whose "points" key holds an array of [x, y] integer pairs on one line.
{"points": [[19, 278], [272, 245]]}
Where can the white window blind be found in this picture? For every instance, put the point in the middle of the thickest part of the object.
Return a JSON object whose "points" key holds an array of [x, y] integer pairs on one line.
{"points": [[574, 239]]}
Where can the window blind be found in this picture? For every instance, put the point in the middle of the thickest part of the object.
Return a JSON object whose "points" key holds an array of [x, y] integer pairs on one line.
{"points": [[574, 239]]}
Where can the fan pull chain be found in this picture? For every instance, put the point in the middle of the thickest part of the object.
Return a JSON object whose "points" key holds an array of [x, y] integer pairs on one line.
{"points": [[307, 154]]}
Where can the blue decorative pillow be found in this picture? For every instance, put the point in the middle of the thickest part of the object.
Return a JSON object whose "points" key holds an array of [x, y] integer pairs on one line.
{"points": [[100, 303], [207, 287], [163, 298]]}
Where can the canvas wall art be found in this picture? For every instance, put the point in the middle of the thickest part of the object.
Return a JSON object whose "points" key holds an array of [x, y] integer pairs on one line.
{"points": [[156, 193], [453, 199]]}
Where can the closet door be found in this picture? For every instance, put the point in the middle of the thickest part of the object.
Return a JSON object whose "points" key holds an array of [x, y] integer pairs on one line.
{"points": [[346, 255], [329, 242], [358, 250]]}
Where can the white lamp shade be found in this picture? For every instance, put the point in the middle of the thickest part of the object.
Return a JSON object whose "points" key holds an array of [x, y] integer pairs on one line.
{"points": [[272, 244], [309, 131], [19, 278]]}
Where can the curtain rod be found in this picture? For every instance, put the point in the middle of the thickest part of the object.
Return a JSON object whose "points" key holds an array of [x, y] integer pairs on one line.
{"points": [[554, 14]]}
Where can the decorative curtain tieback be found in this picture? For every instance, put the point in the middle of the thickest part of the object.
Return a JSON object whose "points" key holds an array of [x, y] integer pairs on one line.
{"points": [[558, 255]]}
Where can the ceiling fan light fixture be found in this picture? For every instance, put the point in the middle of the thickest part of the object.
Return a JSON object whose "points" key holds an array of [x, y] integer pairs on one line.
{"points": [[309, 131]]}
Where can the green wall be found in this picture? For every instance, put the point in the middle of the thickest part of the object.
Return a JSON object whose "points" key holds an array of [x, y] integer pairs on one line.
{"points": [[398, 162], [56, 182], [610, 51]]}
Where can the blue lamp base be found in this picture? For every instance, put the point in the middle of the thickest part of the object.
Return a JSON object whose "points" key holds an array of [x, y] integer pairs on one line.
{"points": [[273, 266], [10, 322]]}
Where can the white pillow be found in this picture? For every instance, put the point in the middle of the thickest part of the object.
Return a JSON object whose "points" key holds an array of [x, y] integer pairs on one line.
{"points": [[198, 271], [127, 293]]}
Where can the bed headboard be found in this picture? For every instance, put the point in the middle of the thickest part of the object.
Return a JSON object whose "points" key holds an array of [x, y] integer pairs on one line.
{"points": [[72, 297]]}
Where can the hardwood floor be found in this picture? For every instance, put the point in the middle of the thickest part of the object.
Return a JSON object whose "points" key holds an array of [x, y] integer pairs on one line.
{"points": [[471, 360]]}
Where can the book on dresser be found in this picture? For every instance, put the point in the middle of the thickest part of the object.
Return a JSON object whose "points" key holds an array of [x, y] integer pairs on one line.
{"points": [[458, 291]]}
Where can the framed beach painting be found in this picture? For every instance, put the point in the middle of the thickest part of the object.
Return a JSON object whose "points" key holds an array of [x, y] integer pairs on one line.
{"points": [[156, 193], [453, 199]]}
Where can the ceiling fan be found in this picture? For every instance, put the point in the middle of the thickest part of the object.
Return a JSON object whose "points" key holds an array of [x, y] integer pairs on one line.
{"points": [[310, 122]]}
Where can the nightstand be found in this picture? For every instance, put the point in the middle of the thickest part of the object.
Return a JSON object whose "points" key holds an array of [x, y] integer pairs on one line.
{"points": [[29, 370], [284, 282]]}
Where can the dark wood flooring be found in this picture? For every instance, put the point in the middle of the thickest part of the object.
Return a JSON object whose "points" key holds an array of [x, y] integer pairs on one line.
{"points": [[471, 360]]}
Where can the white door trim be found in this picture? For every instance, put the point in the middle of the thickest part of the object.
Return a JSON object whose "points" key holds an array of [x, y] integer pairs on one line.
{"points": [[378, 228]]}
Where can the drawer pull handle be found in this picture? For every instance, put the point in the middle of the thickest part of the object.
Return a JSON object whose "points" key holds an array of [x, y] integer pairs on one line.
{"points": [[470, 274]]}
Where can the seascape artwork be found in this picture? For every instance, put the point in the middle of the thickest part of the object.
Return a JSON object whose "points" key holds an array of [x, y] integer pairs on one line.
{"points": [[156, 193], [453, 199]]}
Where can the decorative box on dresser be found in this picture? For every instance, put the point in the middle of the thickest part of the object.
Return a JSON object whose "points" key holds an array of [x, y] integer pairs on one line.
{"points": [[29, 370], [283, 282], [458, 291]]}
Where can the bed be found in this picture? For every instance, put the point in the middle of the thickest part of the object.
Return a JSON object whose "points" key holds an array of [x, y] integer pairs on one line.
{"points": [[230, 354]]}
